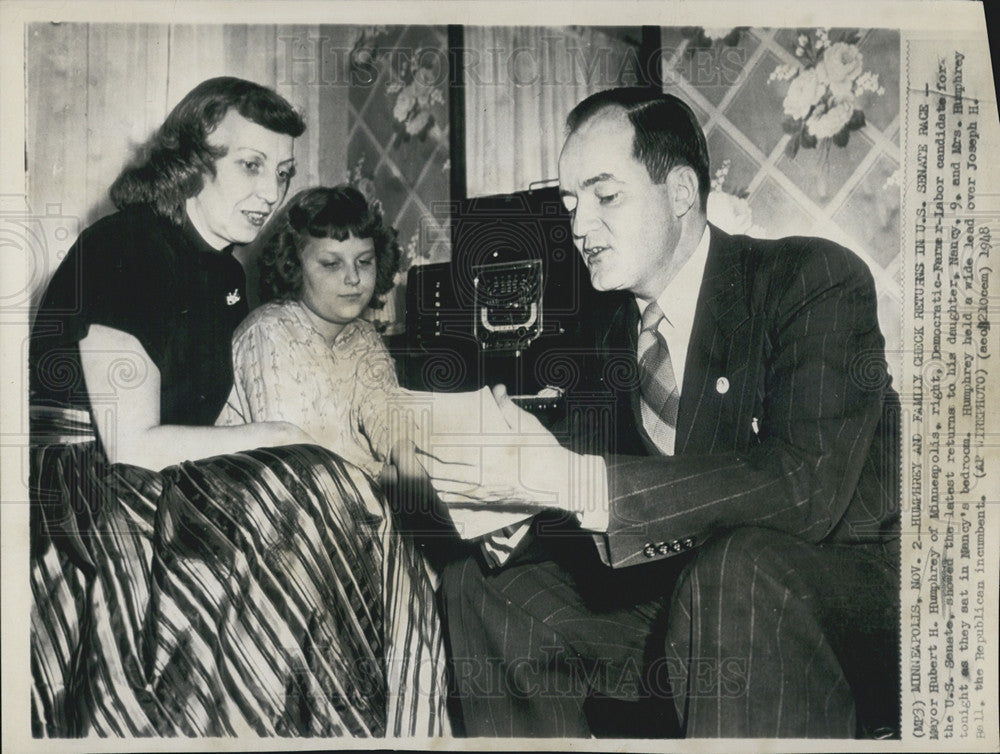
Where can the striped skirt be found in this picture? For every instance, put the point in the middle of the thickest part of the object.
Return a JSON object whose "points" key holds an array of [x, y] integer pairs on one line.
{"points": [[256, 593]]}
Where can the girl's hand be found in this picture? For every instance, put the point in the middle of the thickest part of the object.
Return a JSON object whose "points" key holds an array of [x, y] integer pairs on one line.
{"points": [[404, 458]]}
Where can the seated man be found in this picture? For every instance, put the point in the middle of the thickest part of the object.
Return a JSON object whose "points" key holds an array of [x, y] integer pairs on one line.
{"points": [[745, 573]]}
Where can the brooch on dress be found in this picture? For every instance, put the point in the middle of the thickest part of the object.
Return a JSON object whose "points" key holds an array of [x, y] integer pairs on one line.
{"points": [[233, 297]]}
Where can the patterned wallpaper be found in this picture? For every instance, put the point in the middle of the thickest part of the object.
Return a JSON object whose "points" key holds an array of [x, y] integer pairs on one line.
{"points": [[744, 84], [847, 193], [398, 141]]}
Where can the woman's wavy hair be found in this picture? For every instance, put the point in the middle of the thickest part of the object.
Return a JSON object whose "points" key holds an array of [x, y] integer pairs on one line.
{"points": [[323, 212], [170, 167]]}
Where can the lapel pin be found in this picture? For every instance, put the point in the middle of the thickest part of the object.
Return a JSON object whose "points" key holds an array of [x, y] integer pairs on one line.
{"points": [[755, 426], [233, 297], [722, 386]]}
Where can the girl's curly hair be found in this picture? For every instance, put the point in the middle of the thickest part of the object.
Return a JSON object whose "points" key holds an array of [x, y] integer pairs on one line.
{"points": [[170, 167], [324, 212]]}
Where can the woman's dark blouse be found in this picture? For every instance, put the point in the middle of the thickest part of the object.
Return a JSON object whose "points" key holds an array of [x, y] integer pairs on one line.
{"points": [[142, 274]]}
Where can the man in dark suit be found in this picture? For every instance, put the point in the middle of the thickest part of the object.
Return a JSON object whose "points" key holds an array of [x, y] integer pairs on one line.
{"points": [[746, 558]]}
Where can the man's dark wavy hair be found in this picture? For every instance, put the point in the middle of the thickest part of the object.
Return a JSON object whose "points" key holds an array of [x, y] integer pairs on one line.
{"points": [[323, 212], [667, 133], [170, 167]]}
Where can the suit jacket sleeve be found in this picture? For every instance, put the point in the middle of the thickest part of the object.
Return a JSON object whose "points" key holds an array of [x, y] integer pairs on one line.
{"points": [[823, 378]]}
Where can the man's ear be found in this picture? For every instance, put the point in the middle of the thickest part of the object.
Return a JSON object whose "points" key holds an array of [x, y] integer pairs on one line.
{"points": [[682, 190]]}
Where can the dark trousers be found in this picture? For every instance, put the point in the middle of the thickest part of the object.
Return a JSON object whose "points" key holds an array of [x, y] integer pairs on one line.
{"points": [[756, 634]]}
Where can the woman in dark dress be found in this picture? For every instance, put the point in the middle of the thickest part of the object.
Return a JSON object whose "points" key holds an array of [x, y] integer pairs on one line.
{"points": [[138, 317], [183, 584]]}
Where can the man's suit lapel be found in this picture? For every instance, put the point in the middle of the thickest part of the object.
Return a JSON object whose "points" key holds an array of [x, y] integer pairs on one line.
{"points": [[620, 326], [715, 372], [620, 334]]}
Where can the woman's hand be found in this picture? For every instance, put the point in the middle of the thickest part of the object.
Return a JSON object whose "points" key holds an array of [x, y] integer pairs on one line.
{"points": [[286, 433]]}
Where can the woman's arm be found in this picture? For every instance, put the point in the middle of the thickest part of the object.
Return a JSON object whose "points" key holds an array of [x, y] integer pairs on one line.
{"points": [[127, 410]]}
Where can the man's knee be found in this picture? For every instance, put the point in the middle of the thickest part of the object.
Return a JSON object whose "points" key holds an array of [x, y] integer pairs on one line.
{"points": [[731, 558], [461, 583]]}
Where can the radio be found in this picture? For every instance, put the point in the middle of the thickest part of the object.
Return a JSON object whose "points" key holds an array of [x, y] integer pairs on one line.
{"points": [[507, 308], [514, 291]]}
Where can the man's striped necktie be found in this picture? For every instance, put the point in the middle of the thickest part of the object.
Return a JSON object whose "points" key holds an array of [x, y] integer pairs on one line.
{"points": [[658, 387]]}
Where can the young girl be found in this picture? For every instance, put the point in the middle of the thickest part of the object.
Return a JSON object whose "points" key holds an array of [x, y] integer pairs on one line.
{"points": [[305, 354], [307, 358]]}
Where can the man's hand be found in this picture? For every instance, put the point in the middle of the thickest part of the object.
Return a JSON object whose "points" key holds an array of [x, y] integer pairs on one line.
{"points": [[518, 420], [472, 448], [504, 458]]}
